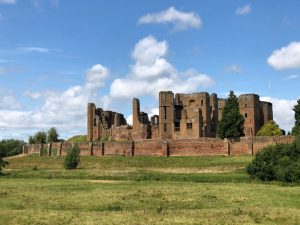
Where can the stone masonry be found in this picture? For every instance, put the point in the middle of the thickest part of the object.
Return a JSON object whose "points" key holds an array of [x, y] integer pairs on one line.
{"points": [[181, 116]]}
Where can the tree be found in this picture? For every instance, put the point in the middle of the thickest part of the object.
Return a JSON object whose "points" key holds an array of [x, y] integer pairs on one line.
{"points": [[52, 135], [11, 147], [73, 157], [31, 140], [271, 128], [279, 162], [296, 128], [3, 163], [40, 137], [232, 122]]}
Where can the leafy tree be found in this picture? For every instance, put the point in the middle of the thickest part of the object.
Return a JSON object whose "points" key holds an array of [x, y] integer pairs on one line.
{"points": [[40, 137], [3, 163], [296, 128], [31, 140], [11, 147], [271, 128], [232, 122], [52, 135], [73, 157], [279, 162]]}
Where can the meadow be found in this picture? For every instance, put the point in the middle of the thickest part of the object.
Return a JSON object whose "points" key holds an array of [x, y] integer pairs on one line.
{"points": [[142, 190]]}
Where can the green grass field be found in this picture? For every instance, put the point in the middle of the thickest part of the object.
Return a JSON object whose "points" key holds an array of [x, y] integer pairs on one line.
{"points": [[142, 190]]}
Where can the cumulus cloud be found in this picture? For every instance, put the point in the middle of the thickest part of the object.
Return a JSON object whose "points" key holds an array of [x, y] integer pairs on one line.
{"points": [[234, 68], [65, 110], [286, 58], [240, 11], [8, 1], [8, 102], [283, 112], [152, 73], [180, 20]]}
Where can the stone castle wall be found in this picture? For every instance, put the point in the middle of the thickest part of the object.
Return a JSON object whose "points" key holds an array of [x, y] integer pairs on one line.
{"points": [[150, 147]]}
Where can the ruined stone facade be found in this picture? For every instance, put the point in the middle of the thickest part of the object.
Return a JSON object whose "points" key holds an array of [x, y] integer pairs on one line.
{"points": [[181, 116]]}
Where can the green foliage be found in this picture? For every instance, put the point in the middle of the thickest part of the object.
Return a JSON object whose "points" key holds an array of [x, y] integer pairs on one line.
{"points": [[11, 147], [296, 128], [52, 135], [279, 162], [271, 128], [3, 163], [73, 157], [77, 138], [232, 122], [40, 137]]}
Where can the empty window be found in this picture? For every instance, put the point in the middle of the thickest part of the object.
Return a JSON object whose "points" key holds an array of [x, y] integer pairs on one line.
{"points": [[246, 115], [177, 126], [165, 127], [165, 109], [201, 102], [189, 126], [95, 122], [245, 105]]}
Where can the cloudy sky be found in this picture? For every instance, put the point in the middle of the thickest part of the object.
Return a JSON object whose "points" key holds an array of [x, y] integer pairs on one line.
{"points": [[58, 55]]}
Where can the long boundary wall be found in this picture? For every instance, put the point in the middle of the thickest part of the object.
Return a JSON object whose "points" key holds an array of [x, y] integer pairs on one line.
{"points": [[181, 147]]}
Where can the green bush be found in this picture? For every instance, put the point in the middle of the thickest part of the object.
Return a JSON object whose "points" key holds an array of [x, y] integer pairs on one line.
{"points": [[279, 162], [73, 157]]}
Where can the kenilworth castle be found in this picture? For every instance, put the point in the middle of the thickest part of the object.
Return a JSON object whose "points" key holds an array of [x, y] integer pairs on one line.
{"points": [[181, 116]]}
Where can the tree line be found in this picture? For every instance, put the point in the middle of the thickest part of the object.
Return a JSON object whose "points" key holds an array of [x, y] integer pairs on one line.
{"points": [[43, 137]]}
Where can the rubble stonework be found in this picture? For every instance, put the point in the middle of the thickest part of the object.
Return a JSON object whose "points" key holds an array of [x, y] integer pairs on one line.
{"points": [[181, 116]]}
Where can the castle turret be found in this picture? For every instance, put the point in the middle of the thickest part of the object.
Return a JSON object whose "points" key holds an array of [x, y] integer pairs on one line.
{"points": [[91, 120], [166, 114]]}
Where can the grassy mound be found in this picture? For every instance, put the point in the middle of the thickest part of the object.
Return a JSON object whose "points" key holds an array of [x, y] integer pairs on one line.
{"points": [[78, 138]]}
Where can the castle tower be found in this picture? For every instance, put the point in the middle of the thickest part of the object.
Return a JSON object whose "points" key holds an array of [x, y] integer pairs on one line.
{"points": [[266, 112], [249, 105], [166, 114], [91, 120], [214, 114]]}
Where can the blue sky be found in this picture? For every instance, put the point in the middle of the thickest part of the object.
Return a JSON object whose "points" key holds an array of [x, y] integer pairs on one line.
{"points": [[58, 55]]}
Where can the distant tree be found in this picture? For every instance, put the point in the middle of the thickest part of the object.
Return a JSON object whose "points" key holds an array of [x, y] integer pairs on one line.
{"points": [[3, 163], [232, 122], [11, 147], [73, 157], [31, 140], [283, 132], [52, 135], [40, 137], [296, 128], [271, 128]]}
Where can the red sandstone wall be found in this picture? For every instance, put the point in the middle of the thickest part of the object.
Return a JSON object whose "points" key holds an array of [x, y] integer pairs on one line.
{"points": [[187, 147], [240, 146], [148, 147], [194, 147]]}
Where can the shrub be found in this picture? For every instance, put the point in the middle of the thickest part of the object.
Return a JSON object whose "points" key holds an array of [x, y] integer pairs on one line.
{"points": [[73, 157], [279, 162], [3, 163]]}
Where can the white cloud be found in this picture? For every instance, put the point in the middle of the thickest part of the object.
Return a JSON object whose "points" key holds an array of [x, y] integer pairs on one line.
{"points": [[152, 73], [32, 95], [292, 77], [8, 102], [180, 20], [7, 70], [8, 1], [234, 68], [283, 112], [96, 76], [65, 110], [286, 58], [240, 11], [38, 50]]}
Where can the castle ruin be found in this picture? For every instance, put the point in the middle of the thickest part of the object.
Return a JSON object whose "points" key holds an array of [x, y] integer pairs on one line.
{"points": [[182, 116]]}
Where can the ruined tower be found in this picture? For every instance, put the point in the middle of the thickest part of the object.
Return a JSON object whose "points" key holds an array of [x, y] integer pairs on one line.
{"points": [[166, 114], [249, 105], [214, 114], [91, 120]]}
